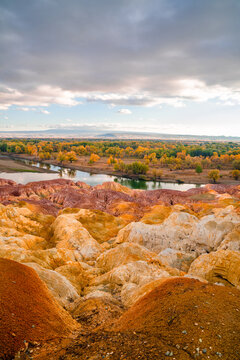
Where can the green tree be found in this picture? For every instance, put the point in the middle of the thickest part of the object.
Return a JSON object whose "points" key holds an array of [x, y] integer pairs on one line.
{"points": [[198, 169], [236, 164]]}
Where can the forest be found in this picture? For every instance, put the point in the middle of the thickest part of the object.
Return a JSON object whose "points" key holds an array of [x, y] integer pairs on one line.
{"points": [[134, 157]]}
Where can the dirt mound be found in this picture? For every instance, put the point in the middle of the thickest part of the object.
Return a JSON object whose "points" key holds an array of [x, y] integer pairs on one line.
{"points": [[188, 314], [181, 319], [94, 312], [27, 310]]}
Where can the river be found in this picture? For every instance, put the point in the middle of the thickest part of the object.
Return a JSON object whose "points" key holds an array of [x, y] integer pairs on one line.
{"points": [[91, 179]]}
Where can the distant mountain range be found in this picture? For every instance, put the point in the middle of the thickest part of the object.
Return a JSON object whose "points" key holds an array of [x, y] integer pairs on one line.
{"points": [[97, 133]]}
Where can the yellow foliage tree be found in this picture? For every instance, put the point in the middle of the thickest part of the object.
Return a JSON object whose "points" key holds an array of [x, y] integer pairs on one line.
{"points": [[93, 158], [71, 156], [61, 157], [214, 175]]}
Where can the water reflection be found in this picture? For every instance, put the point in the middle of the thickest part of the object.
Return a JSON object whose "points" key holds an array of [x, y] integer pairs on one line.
{"points": [[71, 173], [132, 183]]}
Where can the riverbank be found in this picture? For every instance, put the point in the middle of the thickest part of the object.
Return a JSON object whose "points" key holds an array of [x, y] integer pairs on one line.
{"points": [[9, 165], [168, 176]]}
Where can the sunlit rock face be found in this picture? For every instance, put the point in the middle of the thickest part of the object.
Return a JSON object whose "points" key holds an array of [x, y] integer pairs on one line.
{"points": [[177, 259], [232, 240], [101, 225], [123, 254], [59, 286], [183, 232], [69, 234], [115, 244], [222, 266]]}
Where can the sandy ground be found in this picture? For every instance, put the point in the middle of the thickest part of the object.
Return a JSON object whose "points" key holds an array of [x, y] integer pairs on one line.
{"points": [[9, 165]]}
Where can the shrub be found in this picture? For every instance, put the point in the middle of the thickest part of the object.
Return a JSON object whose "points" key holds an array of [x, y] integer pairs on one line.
{"points": [[138, 168]]}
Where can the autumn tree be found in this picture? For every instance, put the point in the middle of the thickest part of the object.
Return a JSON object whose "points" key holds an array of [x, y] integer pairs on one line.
{"points": [[214, 175], [71, 156], [44, 155], [93, 158], [111, 160], [236, 174], [61, 157], [157, 174]]}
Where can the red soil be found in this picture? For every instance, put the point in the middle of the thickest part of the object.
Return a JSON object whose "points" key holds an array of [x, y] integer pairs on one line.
{"points": [[27, 310], [190, 315], [181, 319]]}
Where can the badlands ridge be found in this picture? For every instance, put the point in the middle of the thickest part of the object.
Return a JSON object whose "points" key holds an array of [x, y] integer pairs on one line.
{"points": [[109, 272]]}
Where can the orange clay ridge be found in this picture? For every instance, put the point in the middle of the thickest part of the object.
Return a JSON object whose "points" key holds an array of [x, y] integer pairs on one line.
{"points": [[27, 310], [107, 272]]}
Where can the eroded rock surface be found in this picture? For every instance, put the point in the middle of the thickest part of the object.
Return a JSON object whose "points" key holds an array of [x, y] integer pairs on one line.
{"points": [[100, 249]]}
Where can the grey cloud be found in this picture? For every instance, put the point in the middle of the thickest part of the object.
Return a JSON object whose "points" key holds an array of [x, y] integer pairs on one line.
{"points": [[122, 47]]}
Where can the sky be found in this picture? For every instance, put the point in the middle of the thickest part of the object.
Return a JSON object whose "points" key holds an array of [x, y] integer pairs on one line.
{"points": [[166, 66]]}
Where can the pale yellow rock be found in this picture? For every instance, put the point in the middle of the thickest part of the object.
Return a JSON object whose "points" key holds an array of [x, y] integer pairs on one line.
{"points": [[23, 220], [231, 241], [100, 225], [123, 254], [172, 233], [138, 272], [182, 231], [68, 233], [156, 214], [49, 259], [27, 242], [76, 274], [131, 292], [99, 295], [177, 259], [6, 231], [61, 288], [222, 266]]}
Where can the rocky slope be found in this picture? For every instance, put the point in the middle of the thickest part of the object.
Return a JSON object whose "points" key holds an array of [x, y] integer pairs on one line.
{"points": [[98, 250]]}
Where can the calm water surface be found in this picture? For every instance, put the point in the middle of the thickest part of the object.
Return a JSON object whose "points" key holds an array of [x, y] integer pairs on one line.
{"points": [[91, 179]]}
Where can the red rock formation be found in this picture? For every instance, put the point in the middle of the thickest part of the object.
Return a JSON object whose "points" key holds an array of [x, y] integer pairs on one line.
{"points": [[7, 182], [62, 193]]}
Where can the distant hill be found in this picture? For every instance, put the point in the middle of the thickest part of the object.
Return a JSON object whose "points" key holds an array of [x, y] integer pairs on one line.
{"points": [[95, 132]]}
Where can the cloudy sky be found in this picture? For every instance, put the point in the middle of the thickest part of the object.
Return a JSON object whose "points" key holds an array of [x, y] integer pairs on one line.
{"points": [[170, 66]]}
